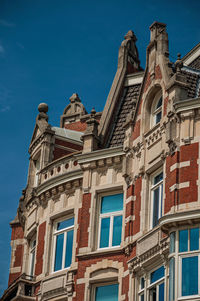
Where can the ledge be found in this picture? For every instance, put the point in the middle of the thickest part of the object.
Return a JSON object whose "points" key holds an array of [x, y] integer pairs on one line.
{"points": [[99, 253], [188, 104]]}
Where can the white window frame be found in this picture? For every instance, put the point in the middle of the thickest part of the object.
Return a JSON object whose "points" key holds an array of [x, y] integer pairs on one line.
{"points": [[111, 215], [55, 234], [152, 189], [142, 291], [37, 170], [32, 256]]}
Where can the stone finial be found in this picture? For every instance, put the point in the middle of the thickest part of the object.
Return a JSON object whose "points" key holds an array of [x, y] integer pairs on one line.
{"points": [[43, 107], [90, 137], [73, 111], [178, 63], [157, 28], [74, 98], [130, 36]]}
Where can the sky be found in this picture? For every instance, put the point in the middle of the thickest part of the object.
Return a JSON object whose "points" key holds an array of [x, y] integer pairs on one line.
{"points": [[51, 49]]}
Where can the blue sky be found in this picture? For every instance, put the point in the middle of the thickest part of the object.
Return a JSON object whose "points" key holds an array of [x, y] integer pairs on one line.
{"points": [[51, 49]]}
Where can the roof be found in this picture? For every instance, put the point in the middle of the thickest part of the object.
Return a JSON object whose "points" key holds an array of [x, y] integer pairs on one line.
{"points": [[196, 63], [128, 102], [69, 134], [193, 79]]}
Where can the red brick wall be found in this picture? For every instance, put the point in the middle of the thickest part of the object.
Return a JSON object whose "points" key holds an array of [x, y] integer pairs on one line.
{"points": [[76, 126], [136, 130], [17, 232], [182, 175], [137, 205], [158, 74], [13, 277], [59, 152], [129, 212], [40, 249], [83, 221]]}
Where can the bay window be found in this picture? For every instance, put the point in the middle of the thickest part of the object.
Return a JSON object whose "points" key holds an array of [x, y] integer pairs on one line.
{"points": [[110, 221], [63, 244], [184, 249]]}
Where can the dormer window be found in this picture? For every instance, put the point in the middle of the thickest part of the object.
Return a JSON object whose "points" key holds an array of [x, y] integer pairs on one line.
{"points": [[156, 112]]}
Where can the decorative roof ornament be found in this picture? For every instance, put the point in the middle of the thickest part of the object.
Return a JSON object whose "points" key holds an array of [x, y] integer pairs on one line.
{"points": [[130, 36], [178, 64], [73, 111]]}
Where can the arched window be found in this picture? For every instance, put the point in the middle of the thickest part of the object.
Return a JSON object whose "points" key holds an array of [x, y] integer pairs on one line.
{"points": [[156, 110]]}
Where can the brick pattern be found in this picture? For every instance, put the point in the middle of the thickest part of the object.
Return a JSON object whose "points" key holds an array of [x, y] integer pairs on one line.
{"points": [[136, 130], [19, 256], [59, 152], [128, 102], [13, 277], [17, 232], [76, 126], [129, 211], [83, 221], [182, 175], [195, 64], [40, 249], [137, 205]]}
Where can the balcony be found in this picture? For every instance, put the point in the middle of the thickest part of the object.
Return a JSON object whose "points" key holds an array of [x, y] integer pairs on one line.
{"points": [[23, 288]]}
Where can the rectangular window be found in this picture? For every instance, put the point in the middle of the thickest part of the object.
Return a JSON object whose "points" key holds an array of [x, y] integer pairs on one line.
{"points": [[189, 275], [110, 220], [156, 198], [106, 293], [63, 244]]}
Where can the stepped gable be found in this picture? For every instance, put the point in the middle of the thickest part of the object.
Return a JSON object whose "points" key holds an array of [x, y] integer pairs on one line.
{"points": [[128, 103]]}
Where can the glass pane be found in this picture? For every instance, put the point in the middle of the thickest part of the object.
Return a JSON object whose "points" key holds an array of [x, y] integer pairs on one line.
{"points": [[157, 274], [171, 278], [190, 276], [158, 178], [183, 240], [142, 283], [153, 294], [32, 263], [142, 297], [112, 203], [105, 230], [155, 206], [65, 224], [69, 246], [172, 242], [161, 291], [59, 252], [194, 239], [159, 104], [158, 117], [117, 230], [107, 293]]}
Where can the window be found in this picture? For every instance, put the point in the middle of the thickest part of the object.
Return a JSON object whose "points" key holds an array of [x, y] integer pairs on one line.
{"points": [[153, 288], [110, 221], [106, 293], [156, 198], [37, 168], [156, 111], [63, 244], [32, 256], [187, 254]]}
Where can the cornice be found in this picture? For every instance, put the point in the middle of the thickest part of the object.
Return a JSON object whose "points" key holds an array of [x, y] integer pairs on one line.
{"points": [[188, 104]]}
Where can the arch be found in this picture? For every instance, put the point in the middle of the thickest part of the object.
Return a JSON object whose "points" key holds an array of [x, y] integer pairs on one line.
{"points": [[153, 108]]}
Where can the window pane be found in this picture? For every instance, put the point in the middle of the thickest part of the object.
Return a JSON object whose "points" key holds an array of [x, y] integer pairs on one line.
{"points": [[142, 283], [65, 224], [183, 240], [32, 263], [194, 239], [172, 242], [158, 178], [107, 293], [69, 246], [161, 291], [158, 117], [155, 206], [117, 230], [112, 203], [142, 297], [59, 252], [157, 274], [171, 278], [159, 104], [105, 229], [190, 276]]}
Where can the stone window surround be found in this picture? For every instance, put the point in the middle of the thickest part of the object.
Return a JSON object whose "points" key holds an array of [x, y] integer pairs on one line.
{"points": [[154, 111], [151, 178]]}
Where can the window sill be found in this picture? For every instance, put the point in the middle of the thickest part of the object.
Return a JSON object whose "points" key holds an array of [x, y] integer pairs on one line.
{"points": [[101, 252], [151, 130]]}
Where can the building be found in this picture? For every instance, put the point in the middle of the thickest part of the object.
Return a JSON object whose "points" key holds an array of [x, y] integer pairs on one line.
{"points": [[111, 210]]}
